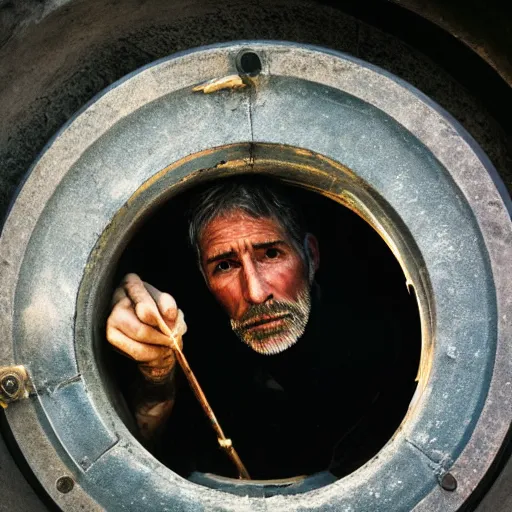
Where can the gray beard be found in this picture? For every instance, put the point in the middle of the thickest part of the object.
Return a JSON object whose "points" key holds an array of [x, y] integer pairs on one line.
{"points": [[273, 340]]}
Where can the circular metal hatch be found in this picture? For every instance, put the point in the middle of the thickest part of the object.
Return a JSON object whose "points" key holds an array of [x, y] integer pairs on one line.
{"points": [[317, 118]]}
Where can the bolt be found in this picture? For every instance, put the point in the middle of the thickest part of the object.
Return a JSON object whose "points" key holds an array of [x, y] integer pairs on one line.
{"points": [[448, 482], [10, 385], [64, 484]]}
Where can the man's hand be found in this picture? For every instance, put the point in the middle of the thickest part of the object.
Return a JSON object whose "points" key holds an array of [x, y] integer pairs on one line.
{"points": [[132, 327]]}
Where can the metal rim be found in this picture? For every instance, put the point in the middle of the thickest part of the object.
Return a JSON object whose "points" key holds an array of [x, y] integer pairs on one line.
{"points": [[432, 138]]}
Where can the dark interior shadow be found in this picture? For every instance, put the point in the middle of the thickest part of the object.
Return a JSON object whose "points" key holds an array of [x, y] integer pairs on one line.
{"points": [[367, 313]]}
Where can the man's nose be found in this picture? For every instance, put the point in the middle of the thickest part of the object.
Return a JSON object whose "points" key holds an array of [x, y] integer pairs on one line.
{"points": [[255, 287]]}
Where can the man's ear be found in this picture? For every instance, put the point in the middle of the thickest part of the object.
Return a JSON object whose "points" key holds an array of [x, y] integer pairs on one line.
{"points": [[313, 251]]}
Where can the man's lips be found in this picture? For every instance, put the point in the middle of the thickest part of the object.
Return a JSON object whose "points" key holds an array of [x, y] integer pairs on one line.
{"points": [[265, 319]]}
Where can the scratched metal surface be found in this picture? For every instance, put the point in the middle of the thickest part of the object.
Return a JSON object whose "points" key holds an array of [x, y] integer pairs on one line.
{"points": [[389, 135]]}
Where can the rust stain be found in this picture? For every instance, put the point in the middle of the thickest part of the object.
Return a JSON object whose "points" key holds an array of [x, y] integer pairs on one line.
{"points": [[302, 152], [239, 163], [218, 84], [15, 384]]}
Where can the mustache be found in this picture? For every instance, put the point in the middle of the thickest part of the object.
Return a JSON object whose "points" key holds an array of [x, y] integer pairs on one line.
{"points": [[259, 314], [272, 338]]}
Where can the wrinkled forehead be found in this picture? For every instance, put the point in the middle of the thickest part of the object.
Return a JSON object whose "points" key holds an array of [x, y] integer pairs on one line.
{"points": [[236, 225]]}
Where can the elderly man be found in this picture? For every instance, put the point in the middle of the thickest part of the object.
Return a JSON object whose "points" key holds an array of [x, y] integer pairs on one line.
{"points": [[290, 400]]}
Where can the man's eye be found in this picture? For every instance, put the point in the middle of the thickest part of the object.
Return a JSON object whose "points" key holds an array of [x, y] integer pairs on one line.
{"points": [[223, 266], [271, 252]]}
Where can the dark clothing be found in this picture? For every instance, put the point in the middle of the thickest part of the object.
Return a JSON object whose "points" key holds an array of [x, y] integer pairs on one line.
{"points": [[312, 407]]}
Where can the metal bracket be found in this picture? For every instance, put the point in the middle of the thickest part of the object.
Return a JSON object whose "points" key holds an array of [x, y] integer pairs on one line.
{"points": [[14, 384]]}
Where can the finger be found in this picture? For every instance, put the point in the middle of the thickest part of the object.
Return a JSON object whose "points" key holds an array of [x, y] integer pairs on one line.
{"points": [[145, 307], [181, 326], [118, 296], [141, 352], [166, 304], [168, 360], [125, 320]]}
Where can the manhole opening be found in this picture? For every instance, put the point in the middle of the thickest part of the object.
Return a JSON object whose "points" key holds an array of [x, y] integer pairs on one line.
{"points": [[331, 401]]}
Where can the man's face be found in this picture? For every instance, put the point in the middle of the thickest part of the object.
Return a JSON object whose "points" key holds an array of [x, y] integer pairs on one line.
{"points": [[258, 276]]}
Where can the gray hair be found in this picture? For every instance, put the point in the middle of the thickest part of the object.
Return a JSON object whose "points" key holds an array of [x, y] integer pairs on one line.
{"points": [[254, 196]]}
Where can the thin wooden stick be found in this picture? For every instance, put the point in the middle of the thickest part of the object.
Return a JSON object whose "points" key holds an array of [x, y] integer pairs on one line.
{"points": [[225, 443]]}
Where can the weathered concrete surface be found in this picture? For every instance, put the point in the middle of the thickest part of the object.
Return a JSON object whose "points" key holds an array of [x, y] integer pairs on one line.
{"points": [[14, 485], [500, 494], [484, 26]]}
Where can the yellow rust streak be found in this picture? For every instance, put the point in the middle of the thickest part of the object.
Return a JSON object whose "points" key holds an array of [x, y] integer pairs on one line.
{"points": [[218, 84], [302, 152], [239, 163]]}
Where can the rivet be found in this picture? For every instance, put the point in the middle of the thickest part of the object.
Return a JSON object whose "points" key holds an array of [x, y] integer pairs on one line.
{"points": [[65, 484], [448, 482]]}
